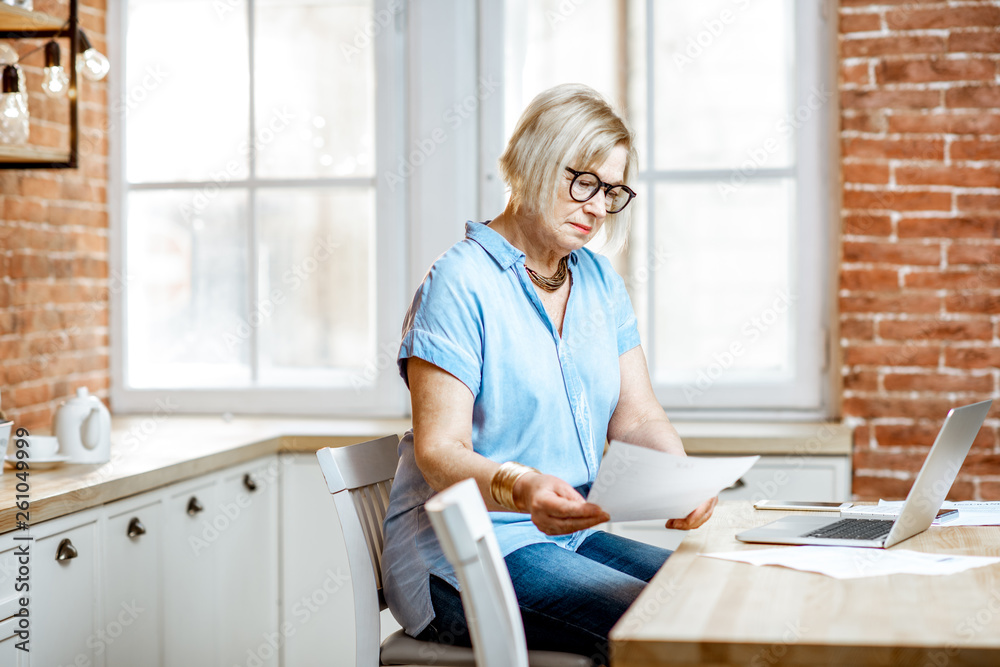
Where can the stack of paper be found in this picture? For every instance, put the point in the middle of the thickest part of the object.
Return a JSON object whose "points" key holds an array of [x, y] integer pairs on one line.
{"points": [[854, 562], [970, 512]]}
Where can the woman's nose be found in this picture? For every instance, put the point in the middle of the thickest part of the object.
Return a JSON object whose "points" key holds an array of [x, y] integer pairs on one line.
{"points": [[597, 205]]}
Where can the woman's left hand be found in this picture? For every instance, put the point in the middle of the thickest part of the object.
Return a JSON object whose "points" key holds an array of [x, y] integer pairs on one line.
{"points": [[696, 518]]}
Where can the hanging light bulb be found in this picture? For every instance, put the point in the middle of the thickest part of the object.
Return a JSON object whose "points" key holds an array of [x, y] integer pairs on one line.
{"points": [[13, 109], [90, 61], [56, 80], [8, 56]]}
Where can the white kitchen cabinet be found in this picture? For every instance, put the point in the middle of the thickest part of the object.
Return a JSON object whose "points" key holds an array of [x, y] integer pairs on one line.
{"points": [[64, 591], [317, 602], [10, 655], [190, 592], [132, 538], [10, 604], [791, 477], [184, 575], [220, 568], [247, 561]]}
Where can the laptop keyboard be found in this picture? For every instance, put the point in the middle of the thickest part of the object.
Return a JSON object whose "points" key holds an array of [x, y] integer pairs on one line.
{"points": [[853, 529]]}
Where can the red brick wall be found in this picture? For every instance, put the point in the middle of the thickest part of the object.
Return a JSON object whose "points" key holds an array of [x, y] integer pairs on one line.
{"points": [[919, 282], [54, 250]]}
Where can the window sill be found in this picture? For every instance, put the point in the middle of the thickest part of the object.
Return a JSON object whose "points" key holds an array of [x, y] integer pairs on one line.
{"points": [[766, 438]]}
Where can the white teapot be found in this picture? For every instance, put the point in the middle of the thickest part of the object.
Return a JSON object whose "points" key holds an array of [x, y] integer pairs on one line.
{"points": [[83, 427]]}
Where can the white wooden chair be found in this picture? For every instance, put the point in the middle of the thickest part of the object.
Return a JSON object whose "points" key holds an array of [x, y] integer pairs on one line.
{"points": [[360, 477]]}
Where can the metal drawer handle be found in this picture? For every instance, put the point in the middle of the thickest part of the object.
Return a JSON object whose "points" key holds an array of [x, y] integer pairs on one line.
{"points": [[248, 481], [66, 550], [194, 506], [135, 528]]}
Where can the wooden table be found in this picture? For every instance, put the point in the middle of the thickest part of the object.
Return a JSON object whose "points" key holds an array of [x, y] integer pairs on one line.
{"points": [[706, 611]]}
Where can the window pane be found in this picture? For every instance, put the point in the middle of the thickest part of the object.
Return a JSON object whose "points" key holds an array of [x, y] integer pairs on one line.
{"points": [[637, 71], [724, 73], [186, 90], [315, 87], [554, 41], [187, 289], [725, 281], [317, 289]]}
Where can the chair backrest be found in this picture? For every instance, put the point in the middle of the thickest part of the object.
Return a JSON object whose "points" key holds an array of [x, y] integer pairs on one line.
{"points": [[360, 478], [465, 532]]}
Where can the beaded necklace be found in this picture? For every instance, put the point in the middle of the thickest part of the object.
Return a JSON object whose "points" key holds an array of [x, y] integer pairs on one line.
{"points": [[549, 284]]}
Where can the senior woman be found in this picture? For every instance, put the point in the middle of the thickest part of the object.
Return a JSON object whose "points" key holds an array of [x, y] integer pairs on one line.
{"points": [[522, 357]]}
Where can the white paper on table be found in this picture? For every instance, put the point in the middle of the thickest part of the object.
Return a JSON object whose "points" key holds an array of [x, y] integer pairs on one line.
{"points": [[970, 512], [635, 483], [855, 562]]}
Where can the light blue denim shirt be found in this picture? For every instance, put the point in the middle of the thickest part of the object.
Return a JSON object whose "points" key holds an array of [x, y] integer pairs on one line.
{"points": [[540, 399]]}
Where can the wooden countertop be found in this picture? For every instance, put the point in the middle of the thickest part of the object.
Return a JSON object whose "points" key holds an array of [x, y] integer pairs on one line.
{"points": [[149, 451], [705, 611]]}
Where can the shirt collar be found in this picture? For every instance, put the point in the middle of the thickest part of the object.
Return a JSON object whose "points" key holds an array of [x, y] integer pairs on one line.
{"points": [[497, 246]]}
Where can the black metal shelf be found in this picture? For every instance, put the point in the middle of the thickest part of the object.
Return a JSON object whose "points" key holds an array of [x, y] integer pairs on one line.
{"points": [[17, 23]]}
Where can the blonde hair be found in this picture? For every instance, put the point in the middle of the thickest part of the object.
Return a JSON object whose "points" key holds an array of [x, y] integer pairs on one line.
{"points": [[569, 125]]}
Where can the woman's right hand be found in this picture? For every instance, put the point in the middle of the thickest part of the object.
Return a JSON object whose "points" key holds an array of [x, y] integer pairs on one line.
{"points": [[555, 506]]}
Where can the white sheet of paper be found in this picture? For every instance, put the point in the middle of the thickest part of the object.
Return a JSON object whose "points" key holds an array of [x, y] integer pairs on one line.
{"points": [[970, 512], [635, 483], [855, 562]]}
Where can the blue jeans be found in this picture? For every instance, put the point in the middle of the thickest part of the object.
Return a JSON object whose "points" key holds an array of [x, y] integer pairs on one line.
{"points": [[569, 601]]}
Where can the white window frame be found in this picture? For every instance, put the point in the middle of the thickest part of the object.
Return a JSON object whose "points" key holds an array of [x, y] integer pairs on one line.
{"points": [[443, 52], [808, 395], [379, 392]]}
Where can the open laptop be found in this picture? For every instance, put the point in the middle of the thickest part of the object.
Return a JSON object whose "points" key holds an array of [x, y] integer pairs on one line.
{"points": [[922, 504]]}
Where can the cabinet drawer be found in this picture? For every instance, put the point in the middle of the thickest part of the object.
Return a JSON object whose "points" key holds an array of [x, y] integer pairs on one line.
{"points": [[8, 580], [190, 628], [248, 580], [10, 655], [131, 583], [64, 597], [793, 478]]}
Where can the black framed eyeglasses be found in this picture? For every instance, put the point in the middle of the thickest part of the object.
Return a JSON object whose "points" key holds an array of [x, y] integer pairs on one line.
{"points": [[585, 185]]}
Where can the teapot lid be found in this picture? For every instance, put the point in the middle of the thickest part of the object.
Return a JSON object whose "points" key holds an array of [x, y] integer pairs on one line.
{"points": [[82, 392]]}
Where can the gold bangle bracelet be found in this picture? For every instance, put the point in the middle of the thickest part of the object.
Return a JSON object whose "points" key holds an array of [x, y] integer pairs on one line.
{"points": [[502, 484]]}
